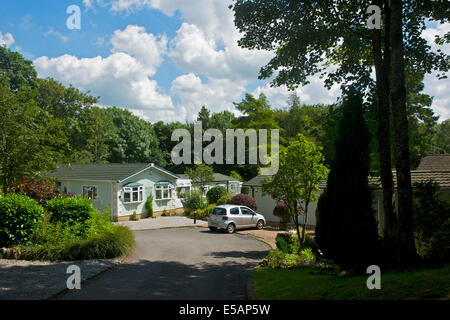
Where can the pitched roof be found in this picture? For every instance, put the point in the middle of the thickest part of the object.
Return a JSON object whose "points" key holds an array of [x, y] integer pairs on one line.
{"points": [[102, 172], [441, 177], [259, 180], [439, 162], [218, 177]]}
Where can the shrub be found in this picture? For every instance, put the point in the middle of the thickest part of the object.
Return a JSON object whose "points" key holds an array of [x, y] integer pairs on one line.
{"points": [[281, 211], [245, 200], [19, 216], [134, 216], [194, 201], [73, 211], [308, 254], [214, 194], [40, 190], [116, 242], [290, 244], [431, 222], [149, 206], [245, 190], [203, 214], [225, 199], [280, 259]]}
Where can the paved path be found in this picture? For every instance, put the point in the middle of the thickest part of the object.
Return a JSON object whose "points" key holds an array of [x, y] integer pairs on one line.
{"points": [[36, 280], [162, 222], [183, 263]]}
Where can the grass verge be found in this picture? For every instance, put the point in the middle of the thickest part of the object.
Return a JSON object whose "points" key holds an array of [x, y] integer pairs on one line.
{"points": [[299, 284]]}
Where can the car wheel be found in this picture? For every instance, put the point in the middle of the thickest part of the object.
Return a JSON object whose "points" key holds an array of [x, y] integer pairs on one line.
{"points": [[213, 229], [260, 225], [231, 228]]}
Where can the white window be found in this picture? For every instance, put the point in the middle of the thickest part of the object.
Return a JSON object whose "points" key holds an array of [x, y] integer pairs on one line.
{"points": [[133, 194], [163, 192], [90, 192]]}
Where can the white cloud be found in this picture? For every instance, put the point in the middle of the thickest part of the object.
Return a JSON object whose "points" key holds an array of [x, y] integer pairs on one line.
{"points": [[313, 93], [217, 94], [52, 32], [6, 39], [438, 89], [122, 78]]}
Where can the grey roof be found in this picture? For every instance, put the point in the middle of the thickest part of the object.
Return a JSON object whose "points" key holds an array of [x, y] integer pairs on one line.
{"points": [[440, 162], [101, 172], [218, 177], [259, 180]]}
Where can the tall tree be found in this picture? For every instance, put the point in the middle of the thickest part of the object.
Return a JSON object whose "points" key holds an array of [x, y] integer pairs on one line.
{"points": [[346, 221], [30, 139], [401, 143], [309, 36], [201, 174]]}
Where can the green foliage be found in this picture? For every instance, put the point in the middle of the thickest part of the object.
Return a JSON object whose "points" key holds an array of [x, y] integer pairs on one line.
{"points": [[20, 72], [203, 214], [215, 193], [201, 174], [113, 243], [282, 260], [290, 244], [74, 212], [431, 222], [19, 216], [245, 190], [225, 199], [31, 139], [236, 175], [301, 170], [346, 230], [441, 141], [149, 206], [134, 139], [194, 201], [308, 254]]}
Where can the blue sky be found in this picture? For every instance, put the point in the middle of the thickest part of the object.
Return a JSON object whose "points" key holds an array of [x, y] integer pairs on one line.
{"points": [[162, 60]]}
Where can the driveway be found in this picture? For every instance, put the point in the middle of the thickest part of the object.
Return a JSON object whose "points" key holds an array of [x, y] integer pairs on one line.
{"points": [[182, 264], [161, 223]]}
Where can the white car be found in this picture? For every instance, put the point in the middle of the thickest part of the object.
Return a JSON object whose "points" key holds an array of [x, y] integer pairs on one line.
{"points": [[230, 217]]}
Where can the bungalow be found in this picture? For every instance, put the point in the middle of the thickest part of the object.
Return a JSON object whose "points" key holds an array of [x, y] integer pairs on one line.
{"points": [[436, 168], [124, 188], [232, 185]]}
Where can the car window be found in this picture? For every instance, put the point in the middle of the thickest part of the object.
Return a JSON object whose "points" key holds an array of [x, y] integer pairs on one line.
{"points": [[219, 212], [246, 212], [234, 211]]}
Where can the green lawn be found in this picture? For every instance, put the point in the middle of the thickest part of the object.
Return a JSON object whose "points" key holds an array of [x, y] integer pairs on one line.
{"points": [[299, 284]]}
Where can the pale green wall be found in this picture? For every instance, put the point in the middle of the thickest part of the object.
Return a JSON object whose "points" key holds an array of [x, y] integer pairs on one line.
{"points": [[105, 192], [148, 181]]}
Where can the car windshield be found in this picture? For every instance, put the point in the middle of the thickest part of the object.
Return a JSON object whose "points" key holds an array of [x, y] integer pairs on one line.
{"points": [[219, 212]]}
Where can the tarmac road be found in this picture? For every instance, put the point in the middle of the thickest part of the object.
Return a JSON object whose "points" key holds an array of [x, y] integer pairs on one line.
{"points": [[179, 264]]}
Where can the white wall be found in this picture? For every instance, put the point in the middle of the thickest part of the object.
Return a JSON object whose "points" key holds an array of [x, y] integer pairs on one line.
{"points": [[266, 205]]}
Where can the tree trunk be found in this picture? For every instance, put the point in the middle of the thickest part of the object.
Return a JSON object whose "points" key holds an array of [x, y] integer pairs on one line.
{"points": [[401, 144], [305, 220], [297, 224], [382, 83]]}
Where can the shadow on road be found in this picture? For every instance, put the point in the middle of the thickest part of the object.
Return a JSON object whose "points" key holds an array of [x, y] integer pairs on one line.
{"points": [[154, 280]]}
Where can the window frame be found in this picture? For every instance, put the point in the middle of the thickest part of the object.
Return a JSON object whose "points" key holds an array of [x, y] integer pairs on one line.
{"points": [[85, 192], [132, 192], [163, 188]]}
